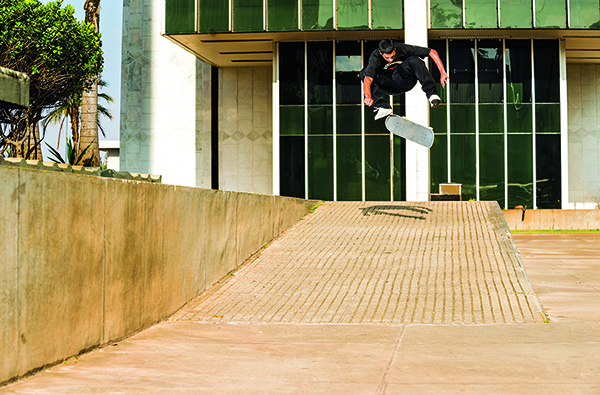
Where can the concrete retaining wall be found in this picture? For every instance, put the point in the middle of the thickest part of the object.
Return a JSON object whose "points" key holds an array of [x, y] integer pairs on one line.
{"points": [[88, 260], [552, 219]]}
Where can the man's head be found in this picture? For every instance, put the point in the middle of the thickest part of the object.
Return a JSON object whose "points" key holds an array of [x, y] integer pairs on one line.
{"points": [[387, 49]]}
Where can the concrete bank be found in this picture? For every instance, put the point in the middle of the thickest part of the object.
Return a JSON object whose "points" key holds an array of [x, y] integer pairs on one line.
{"points": [[88, 260], [545, 219]]}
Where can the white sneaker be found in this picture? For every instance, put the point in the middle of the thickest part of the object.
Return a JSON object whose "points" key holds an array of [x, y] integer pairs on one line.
{"points": [[434, 100], [381, 112]]}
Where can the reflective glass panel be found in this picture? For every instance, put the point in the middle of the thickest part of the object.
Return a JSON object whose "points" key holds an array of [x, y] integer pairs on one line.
{"points": [[585, 14], [462, 168], [317, 14], [387, 14], [550, 14], [490, 63], [438, 159], [438, 119], [349, 168], [319, 58], [291, 164], [399, 168], [320, 120], [516, 14], [546, 66], [320, 167], [548, 169], [371, 125], [347, 66], [283, 15], [462, 118], [446, 14], [491, 168], [248, 15], [180, 16], [291, 120], [377, 168], [520, 170], [518, 71], [348, 119], [491, 118], [481, 14], [214, 16], [519, 118], [291, 73], [352, 14], [547, 118], [461, 70]]}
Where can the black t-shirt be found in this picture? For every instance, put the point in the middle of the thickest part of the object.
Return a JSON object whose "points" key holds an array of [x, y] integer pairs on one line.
{"points": [[377, 63]]}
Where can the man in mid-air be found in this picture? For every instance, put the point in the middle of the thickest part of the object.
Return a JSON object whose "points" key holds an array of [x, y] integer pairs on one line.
{"points": [[395, 68]]}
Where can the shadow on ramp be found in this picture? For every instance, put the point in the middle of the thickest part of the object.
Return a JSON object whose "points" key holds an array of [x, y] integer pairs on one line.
{"points": [[390, 209]]}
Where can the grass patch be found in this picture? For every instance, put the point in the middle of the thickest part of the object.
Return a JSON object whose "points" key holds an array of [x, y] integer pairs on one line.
{"points": [[553, 232]]}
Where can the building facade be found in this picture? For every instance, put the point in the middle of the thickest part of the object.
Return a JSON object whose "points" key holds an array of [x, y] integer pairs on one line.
{"points": [[263, 96]]}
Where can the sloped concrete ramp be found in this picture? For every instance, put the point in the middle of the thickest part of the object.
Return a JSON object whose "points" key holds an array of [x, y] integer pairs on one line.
{"points": [[392, 263]]}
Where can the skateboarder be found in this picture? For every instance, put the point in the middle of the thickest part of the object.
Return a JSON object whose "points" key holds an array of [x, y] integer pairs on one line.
{"points": [[395, 68]]}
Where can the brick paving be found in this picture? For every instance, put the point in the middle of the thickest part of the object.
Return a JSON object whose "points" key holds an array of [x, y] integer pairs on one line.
{"points": [[369, 262]]}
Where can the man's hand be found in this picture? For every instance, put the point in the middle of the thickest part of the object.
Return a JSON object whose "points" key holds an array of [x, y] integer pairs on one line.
{"points": [[367, 90], [443, 79], [436, 58]]}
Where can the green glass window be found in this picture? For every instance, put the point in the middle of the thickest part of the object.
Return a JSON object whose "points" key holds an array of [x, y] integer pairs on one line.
{"points": [[399, 168], [547, 118], [518, 71], [348, 119], [462, 118], [377, 168], [349, 168], [438, 154], [520, 170], [491, 118], [317, 14], [491, 168], [490, 63], [550, 14], [320, 167], [291, 164], [180, 16], [481, 14], [291, 73], [387, 14], [516, 14], [461, 70], [438, 119], [352, 14], [347, 66], [548, 169], [546, 69], [371, 125], [214, 16], [282, 15], [585, 14], [519, 118], [462, 168], [248, 15], [319, 59], [446, 14], [320, 120], [291, 120]]}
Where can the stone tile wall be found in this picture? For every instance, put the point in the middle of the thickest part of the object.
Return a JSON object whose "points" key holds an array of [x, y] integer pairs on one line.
{"points": [[245, 126], [583, 85]]}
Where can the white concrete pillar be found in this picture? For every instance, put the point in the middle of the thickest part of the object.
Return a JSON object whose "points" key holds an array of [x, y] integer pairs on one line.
{"points": [[416, 22]]}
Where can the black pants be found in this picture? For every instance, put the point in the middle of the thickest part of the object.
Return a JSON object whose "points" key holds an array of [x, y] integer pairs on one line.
{"points": [[401, 79]]}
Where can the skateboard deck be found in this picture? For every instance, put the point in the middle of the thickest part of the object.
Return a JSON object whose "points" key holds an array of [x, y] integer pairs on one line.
{"points": [[410, 130]]}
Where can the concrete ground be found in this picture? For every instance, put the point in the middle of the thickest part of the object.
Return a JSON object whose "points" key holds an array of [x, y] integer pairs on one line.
{"points": [[367, 298]]}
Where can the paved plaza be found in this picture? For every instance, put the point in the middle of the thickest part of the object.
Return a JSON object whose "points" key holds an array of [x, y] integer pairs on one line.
{"points": [[373, 298]]}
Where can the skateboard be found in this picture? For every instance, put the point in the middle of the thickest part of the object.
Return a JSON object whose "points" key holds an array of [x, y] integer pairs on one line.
{"points": [[410, 130]]}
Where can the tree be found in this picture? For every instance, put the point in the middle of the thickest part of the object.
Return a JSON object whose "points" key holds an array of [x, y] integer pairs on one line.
{"points": [[89, 98], [57, 52]]}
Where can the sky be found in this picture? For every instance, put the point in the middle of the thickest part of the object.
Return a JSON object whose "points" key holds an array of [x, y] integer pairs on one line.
{"points": [[111, 27]]}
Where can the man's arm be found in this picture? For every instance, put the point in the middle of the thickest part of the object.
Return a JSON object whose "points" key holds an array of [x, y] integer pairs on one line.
{"points": [[367, 90], [436, 58]]}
